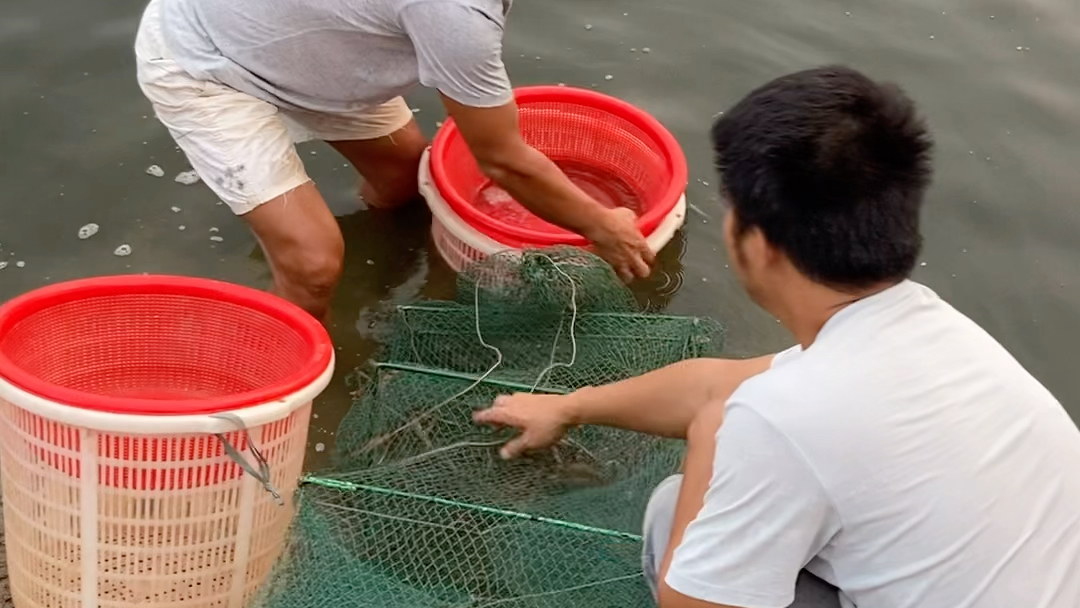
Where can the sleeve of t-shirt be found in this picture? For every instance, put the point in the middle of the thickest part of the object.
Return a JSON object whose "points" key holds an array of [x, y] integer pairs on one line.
{"points": [[459, 51], [765, 516]]}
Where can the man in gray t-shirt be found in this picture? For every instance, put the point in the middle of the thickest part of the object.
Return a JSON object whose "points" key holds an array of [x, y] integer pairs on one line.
{"points": [[238, 83]]}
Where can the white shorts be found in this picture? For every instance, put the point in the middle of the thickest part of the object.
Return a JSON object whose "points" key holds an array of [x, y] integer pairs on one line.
{"points": [[810, 591], [242, 147]]}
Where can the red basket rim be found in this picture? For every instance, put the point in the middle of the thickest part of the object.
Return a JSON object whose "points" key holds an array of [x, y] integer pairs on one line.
{"points": [[516, 236], [21, 307]]}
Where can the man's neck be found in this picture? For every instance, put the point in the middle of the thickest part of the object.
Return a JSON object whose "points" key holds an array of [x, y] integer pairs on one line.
{"points": [[806, 307]]}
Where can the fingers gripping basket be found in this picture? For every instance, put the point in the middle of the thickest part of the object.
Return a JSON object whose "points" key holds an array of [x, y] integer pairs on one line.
{"points": [[615, 152], [152, 431]]}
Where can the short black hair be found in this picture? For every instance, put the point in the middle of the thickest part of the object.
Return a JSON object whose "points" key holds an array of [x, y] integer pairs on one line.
{"points": [[832, 167]]}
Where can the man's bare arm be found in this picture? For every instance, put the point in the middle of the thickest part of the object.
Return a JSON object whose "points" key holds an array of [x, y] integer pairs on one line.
{"points": [[664, 402]]}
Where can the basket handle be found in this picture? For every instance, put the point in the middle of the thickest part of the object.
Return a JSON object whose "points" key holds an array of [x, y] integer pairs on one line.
{"points": [[263, 472]]}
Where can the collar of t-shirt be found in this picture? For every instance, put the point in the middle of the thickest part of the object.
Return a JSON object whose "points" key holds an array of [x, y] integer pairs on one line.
{"points": [[883, 299]]}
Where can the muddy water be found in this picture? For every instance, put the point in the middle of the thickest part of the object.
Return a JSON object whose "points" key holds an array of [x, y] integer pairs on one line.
{"points": [[997, 80]]}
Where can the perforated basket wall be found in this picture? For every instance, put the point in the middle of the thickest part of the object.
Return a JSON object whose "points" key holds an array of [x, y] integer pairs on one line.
{"points": [[117, 398]]}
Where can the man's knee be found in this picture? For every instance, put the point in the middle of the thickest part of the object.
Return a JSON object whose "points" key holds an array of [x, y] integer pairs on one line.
{"points": [[316, 270]]}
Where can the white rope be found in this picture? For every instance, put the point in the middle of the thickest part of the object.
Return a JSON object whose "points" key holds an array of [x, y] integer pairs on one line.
{"points": [[499, 354]]}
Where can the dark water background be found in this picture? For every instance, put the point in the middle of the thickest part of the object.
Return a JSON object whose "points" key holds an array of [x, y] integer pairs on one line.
{"points": [[998, 81]]}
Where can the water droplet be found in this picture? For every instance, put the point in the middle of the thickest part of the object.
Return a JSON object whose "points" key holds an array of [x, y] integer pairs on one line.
{"points": [[88, 231], [320, 447], [3, 265], [216, 239], [155, 170], [923, 264], [609, 77], [214, 229], [182, 227], [371, 262], [646, 50], [20, 264], [175, 209], [588, 26], [931, 36], [187, 178], [123, 250]]}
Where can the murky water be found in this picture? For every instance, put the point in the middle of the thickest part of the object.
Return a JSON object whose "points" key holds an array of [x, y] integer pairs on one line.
{"points": [[997, 80]]}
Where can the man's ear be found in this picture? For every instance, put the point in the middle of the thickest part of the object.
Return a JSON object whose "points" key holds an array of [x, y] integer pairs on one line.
{"points": [[758, 250]]}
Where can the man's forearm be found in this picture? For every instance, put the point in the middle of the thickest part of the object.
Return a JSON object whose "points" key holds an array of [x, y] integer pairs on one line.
{"points": [[540, 186], [663, 402]]}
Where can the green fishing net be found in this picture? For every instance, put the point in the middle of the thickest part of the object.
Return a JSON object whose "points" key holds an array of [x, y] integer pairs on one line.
{"points": [[420, 511]]}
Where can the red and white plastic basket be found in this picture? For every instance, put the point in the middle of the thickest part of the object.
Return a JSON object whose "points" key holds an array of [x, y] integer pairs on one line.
{"points": [[618, 142], [132, 410]]}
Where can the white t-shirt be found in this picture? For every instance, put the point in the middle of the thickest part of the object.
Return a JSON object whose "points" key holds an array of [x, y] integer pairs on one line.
{"points": [[342, 55], [906, 458]]}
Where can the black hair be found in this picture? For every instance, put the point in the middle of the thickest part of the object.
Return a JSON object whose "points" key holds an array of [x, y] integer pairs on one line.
{"points": [[832, 168]]}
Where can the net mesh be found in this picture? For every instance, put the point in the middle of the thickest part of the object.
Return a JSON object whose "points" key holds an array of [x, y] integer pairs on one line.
{"points": [[420, 511]]}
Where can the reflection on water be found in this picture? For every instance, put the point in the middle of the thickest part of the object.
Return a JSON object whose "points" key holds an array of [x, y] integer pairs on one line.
{"points": [[997, 80]]}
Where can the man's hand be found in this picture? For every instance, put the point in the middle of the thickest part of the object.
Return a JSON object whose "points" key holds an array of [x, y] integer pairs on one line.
{"points": [[541, 419], [532, 179], [620, 243]]}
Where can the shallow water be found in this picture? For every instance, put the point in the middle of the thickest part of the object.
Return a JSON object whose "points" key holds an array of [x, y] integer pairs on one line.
{"points": [[997, 80]]}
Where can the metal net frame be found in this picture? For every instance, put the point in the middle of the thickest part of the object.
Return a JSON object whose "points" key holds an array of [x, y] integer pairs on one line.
{"points": [[419, 509]]}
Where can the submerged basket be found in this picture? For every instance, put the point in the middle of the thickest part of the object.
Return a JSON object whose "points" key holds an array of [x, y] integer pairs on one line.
{"points": [[614, 151]]}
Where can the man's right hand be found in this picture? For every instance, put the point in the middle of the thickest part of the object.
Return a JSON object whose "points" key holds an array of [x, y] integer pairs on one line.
{"points": [[542, 420], [619, 242]]}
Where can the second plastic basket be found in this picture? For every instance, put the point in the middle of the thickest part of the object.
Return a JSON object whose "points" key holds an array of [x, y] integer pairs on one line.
{"points": [[613, 150]]}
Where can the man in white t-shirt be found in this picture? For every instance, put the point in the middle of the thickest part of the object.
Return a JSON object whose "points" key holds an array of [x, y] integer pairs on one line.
{"points": [[897, 452], [238, 82]]}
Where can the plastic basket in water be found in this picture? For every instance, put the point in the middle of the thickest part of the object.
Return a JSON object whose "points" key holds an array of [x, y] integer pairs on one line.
{"points": [[617, 153], [126, 406]]}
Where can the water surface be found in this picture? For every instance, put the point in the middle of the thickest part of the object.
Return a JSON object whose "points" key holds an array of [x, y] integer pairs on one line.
{"points": [[996, 79]]}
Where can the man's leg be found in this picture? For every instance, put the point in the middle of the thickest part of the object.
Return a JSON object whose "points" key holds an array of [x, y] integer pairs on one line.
{"points": [[389, 165], [383, 143], [303, 245], [810, 591], [242, 150]]}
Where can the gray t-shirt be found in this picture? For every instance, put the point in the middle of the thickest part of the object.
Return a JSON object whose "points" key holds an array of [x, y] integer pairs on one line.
{"points": [[342, 55]]}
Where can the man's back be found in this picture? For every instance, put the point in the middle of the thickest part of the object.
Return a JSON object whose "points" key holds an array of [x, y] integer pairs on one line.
{"points": [[951, 473], [329, 55]]}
